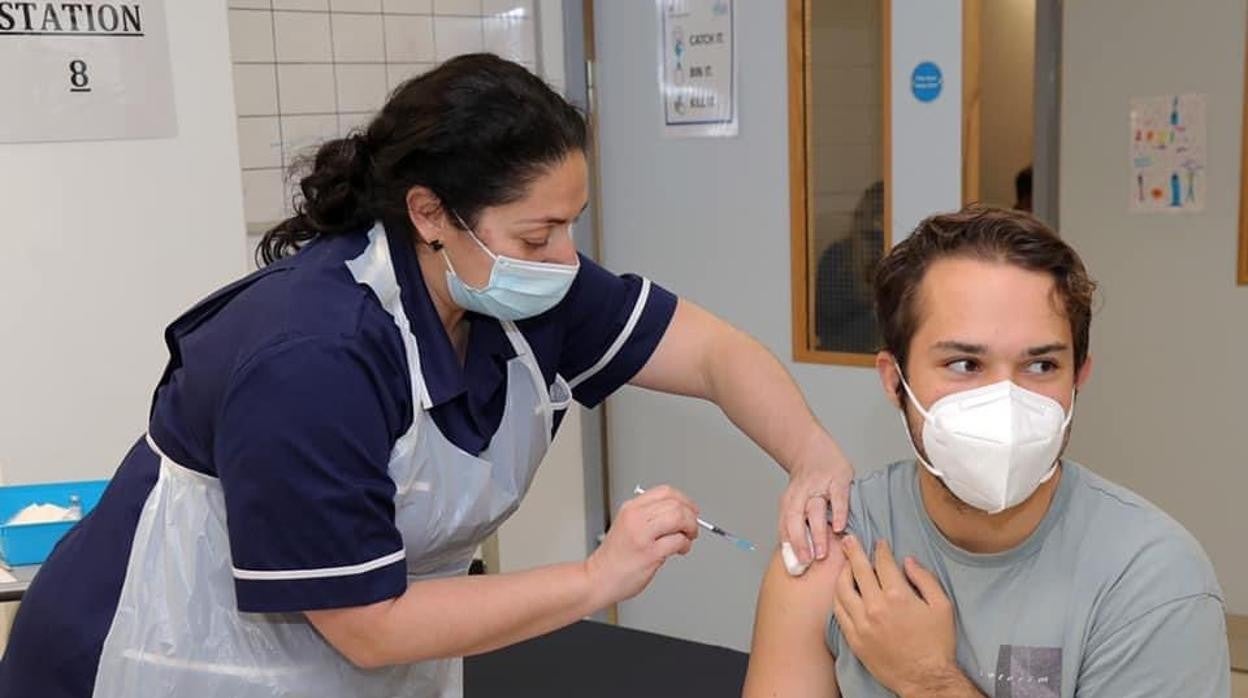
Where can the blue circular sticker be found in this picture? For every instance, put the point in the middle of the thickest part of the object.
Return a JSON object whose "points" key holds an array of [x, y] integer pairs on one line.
{"points": [[926, 81]]}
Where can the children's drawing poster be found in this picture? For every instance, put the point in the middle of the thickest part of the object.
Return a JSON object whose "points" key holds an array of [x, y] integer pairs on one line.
{"points": [[1168, 154]]}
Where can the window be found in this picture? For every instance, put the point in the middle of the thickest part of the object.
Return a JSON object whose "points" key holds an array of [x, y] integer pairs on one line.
{"points": [[839, 65], [838, 145]]}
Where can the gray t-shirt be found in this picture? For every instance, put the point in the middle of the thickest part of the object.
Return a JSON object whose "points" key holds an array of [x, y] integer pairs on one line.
{"points": [[1108, 597]]}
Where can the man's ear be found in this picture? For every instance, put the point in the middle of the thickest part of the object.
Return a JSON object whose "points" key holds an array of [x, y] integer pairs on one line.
{"points": [[890, 378], [1085, 372], [428, 217]]}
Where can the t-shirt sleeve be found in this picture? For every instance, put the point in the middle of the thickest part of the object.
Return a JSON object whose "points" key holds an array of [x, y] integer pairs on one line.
{"points": [[613, 325], [1178, 648], [858, 523], [302, 447]]}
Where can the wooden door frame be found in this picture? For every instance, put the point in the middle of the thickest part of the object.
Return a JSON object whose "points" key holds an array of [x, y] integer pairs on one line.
{"points": [[1242, 276], [801, 214]]}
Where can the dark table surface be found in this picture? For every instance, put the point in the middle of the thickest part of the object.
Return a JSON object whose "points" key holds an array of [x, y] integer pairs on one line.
{"points": [[605, 661]]}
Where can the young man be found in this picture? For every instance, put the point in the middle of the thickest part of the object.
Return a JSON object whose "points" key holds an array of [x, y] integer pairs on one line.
{"points": [[991, 566]]}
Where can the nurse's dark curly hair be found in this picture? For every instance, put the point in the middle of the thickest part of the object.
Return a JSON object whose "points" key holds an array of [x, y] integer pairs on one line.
{"points": [[476, 131], [991, 234]]}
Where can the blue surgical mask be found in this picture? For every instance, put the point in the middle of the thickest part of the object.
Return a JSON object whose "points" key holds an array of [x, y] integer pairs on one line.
{"points": [[517, 288]]}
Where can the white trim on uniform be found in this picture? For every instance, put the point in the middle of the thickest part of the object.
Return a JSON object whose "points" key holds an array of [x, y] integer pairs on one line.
{"points": [[620, 339], [321, 572]]}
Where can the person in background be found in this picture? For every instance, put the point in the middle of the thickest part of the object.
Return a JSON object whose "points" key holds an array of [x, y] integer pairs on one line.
{"points": [[844, 321], [335, 434], [1022, 190]]}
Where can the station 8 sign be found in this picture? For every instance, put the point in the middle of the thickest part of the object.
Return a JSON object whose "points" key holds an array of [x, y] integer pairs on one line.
{"points": [[85, 71]]}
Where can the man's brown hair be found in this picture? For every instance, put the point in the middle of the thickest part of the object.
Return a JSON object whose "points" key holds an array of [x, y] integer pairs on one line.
{"points": [[990, 234]]}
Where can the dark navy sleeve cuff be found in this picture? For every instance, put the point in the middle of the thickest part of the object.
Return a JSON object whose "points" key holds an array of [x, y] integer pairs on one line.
{"points": [[276, 595]]}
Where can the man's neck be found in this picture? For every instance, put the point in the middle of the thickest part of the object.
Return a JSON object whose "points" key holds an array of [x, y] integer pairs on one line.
{"points": [[980, 532]]}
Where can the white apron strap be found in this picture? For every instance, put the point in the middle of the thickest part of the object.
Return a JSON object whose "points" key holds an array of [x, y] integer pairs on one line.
{"points": [[375, 269]]}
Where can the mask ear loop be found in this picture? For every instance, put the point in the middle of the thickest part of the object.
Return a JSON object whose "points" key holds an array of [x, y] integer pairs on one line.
{"points": [[439, 247], [1074, 396], [905, 425], [910, 393], [1070, 415], [472, 234]]}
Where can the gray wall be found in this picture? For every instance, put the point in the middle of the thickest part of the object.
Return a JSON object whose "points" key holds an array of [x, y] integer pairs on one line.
{"points": [[709, 219], [1167, 408]]}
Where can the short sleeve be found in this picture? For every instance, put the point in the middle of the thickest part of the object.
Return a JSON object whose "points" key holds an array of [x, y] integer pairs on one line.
{"points": [[302, 447], [613, 325], [1177, 648], [857, 524]]}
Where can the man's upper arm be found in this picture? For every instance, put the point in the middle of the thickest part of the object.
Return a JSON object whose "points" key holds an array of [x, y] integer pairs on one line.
{"points": [[789, 656], [1177, 648]]}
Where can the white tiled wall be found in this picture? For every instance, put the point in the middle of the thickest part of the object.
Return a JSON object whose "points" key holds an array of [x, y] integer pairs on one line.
{"points": [[309, 70]]}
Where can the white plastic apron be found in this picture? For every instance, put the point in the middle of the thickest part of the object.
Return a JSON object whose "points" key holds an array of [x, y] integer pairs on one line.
{"points": [[177, 630]]}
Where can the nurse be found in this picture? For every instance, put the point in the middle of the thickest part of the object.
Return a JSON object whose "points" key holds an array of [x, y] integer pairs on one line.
{"points": [[335, 434]]}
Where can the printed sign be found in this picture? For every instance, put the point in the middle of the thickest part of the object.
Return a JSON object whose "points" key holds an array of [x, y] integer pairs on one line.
{"points": [[697, 68], [926, 81], [85, 71]]}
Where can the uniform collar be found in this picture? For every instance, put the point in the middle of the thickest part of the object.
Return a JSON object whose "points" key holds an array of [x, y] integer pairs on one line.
{"points": [[445, 379]]}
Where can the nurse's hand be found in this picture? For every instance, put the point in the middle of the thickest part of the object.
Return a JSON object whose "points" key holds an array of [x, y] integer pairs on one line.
{"points": [[647, 530], [818, 481], [702, 356]]}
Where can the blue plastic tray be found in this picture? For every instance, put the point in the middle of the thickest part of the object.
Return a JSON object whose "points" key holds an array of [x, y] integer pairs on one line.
{"points": [[30, 544]]}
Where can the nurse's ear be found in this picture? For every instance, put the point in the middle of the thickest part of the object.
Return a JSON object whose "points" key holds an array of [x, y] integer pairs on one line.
{"points": [[427, 215], [890, 379]]}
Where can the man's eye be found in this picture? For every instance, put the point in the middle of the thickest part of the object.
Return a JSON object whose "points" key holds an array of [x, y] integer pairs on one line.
{"points": [[1042, 366], [963, 366]]}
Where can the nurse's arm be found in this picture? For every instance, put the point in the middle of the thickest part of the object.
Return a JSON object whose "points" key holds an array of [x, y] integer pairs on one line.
{"points": [[459, 616], [702, 356], [789, 656]]}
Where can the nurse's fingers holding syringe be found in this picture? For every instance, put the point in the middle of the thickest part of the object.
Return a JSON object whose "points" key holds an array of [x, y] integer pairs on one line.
{"points": [[661, 511], [646, 531], [667, 516], [658, 493]]}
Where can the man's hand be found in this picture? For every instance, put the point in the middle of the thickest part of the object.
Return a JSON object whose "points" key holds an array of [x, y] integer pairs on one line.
{"points": [[906, 640]]}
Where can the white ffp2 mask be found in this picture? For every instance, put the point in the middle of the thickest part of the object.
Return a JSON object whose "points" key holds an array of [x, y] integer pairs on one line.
{"points": [[994, 445]]}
